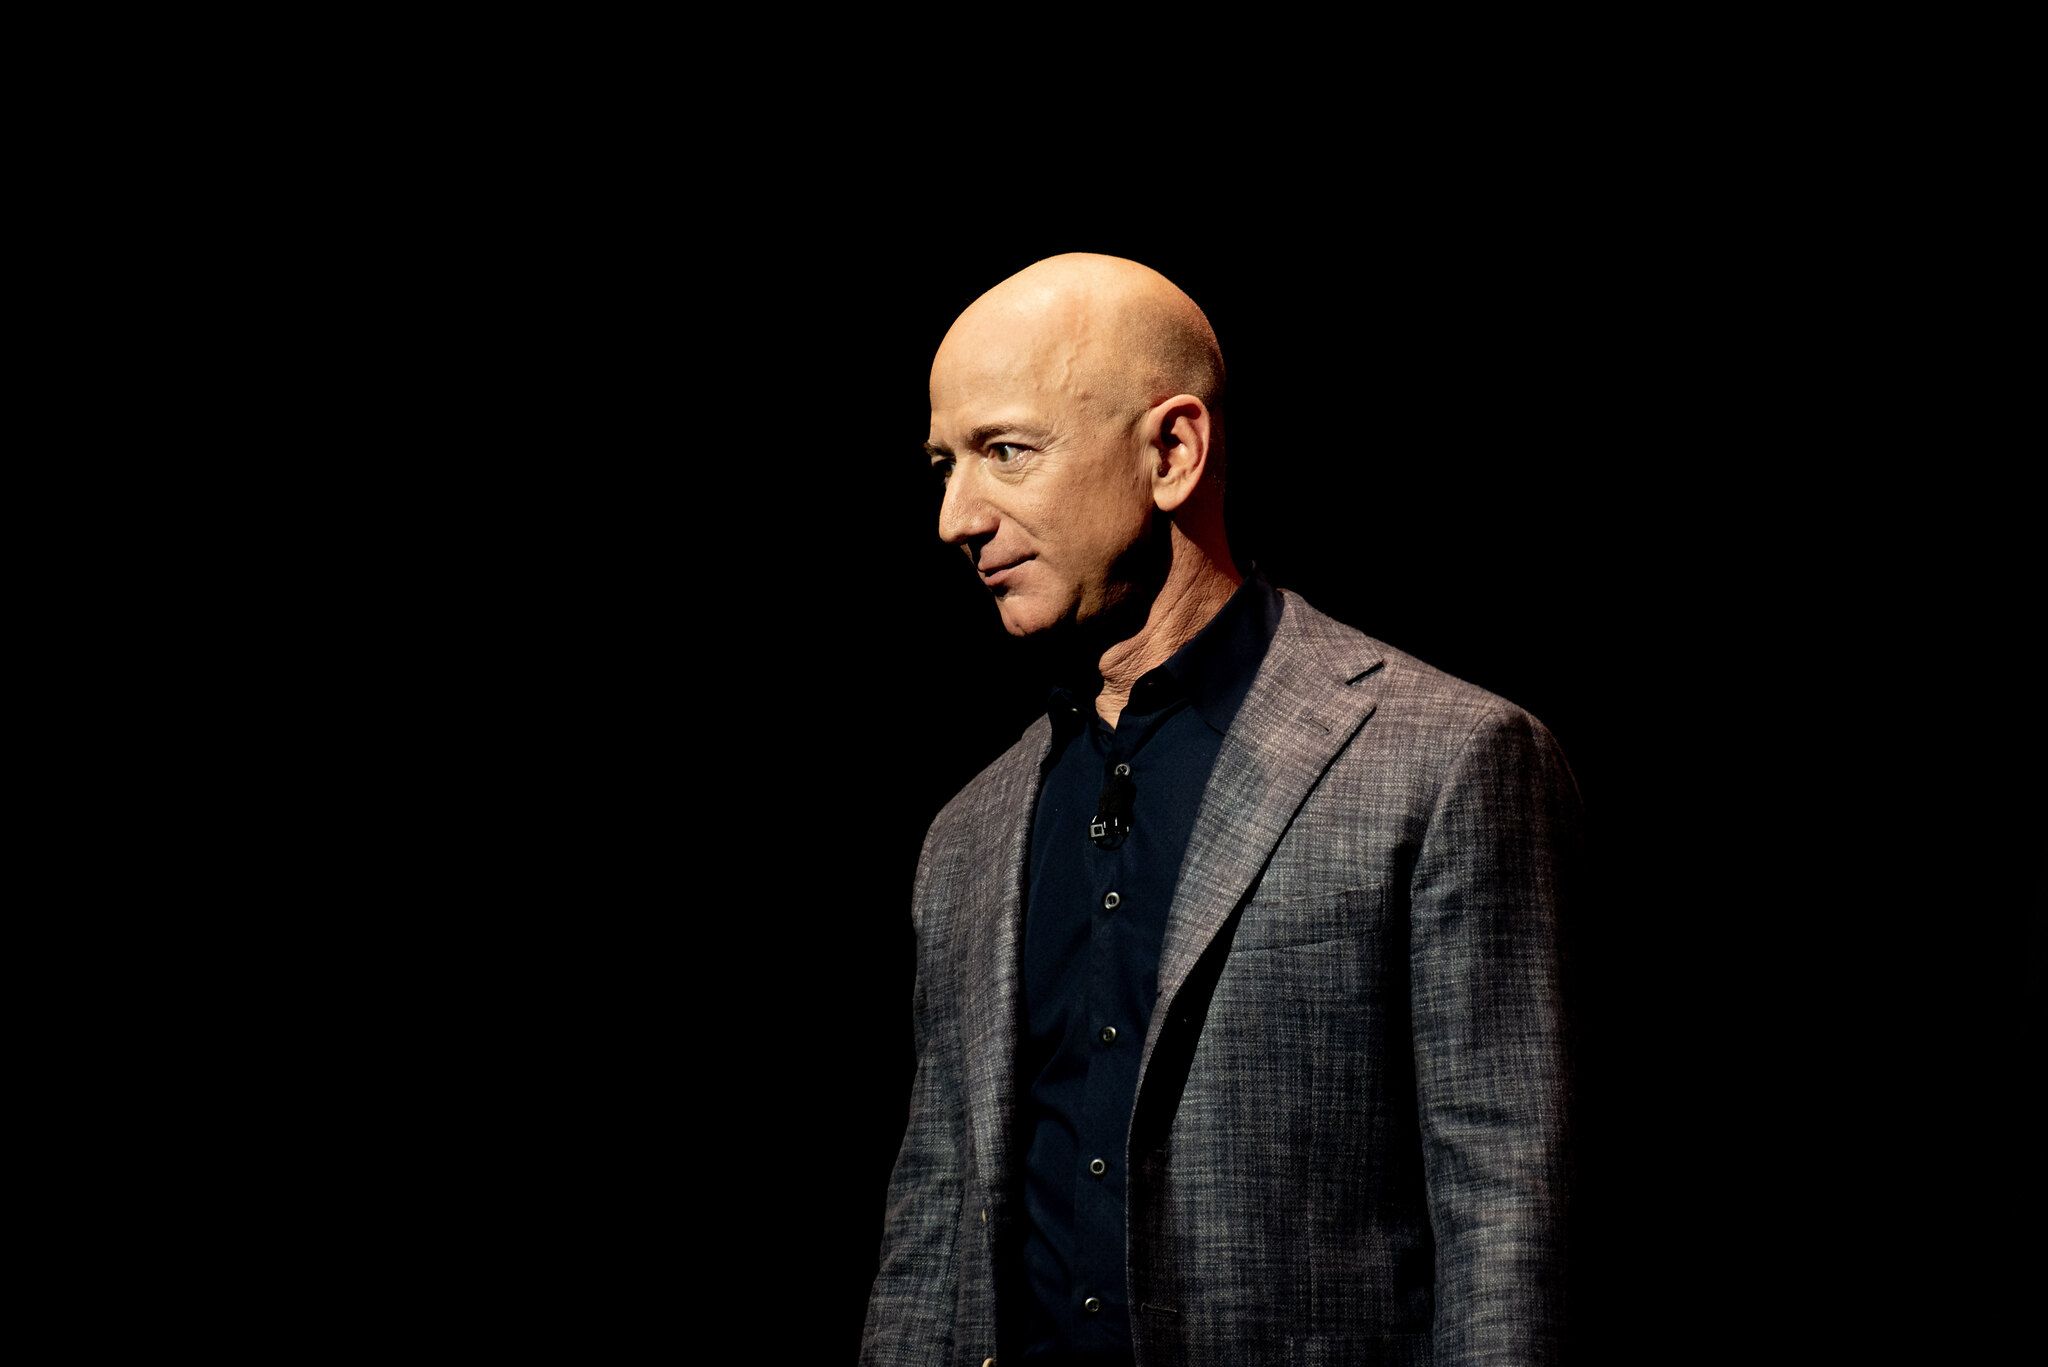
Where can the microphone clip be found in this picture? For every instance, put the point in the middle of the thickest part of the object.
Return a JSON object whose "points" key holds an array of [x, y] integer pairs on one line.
{"points": [[1113, 810]]}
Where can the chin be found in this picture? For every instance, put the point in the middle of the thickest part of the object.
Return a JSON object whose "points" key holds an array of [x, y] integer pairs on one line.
{"points": [[1022, 617], [1025, 626]]}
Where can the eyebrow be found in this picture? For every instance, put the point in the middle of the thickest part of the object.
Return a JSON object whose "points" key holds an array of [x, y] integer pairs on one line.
{"points": [[933, 450]]}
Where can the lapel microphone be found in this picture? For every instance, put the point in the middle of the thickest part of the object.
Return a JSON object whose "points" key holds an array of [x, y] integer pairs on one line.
{"points": [[1113, 809]]}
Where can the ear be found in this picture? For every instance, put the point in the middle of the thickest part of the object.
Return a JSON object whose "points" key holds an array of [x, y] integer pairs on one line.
{"points": [[1177, 436]]}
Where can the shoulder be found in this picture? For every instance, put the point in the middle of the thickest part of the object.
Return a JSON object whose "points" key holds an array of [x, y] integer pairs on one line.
{"points": [[1424, 713], [1000, 777], [967, 831]]}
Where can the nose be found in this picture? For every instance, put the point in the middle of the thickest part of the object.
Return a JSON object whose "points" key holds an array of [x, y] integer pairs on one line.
{"points": [[966, 517]]}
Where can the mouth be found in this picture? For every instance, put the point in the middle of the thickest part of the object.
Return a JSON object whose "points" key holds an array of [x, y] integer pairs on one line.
{"points": [[998, 575]]}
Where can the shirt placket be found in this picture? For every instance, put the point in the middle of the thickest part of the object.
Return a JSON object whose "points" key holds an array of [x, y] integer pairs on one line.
{"points": [[1111, 1030]]}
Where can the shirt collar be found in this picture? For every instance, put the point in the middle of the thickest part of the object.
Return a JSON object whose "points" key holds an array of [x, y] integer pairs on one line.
{"points": [[1213, 668]]}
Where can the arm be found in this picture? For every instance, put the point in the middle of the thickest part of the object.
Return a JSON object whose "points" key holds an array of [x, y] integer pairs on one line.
{"points": [[1499, 864], [910, 1309]]}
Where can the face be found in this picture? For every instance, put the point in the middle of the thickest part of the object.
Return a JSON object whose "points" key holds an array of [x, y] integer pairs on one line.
{"points": [[1046, 487]]}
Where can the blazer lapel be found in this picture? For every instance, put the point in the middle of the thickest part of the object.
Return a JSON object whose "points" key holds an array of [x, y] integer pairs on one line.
{"points": [[992, 937], [1315, 687]]}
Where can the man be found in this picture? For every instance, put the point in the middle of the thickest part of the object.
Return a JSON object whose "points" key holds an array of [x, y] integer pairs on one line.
{"points": [[1237, 1011]]}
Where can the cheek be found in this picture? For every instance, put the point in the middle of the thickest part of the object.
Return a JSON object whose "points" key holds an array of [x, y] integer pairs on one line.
{"points": [[1122, 518], [1094, 548]]}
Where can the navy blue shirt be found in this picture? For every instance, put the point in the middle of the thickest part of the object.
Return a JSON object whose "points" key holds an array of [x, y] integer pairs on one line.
{"points": [[1095, 916]]}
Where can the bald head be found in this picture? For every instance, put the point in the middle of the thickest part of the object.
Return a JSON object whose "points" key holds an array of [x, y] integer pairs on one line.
{"points": [[1104, 334], [1074, 435]]}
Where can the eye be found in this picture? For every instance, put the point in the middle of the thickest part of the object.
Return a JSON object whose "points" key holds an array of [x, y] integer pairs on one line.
{"points": [[941, 469], [997, 448]]}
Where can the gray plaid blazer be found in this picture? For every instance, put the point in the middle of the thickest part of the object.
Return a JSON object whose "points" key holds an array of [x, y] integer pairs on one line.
{"points": [[1350, 1139]]}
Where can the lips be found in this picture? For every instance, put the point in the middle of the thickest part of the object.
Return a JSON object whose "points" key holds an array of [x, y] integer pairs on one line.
{"points": [[999, 574]]}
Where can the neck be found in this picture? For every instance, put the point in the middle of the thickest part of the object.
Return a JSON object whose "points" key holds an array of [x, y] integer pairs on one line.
{"points": [[1196, 587]]}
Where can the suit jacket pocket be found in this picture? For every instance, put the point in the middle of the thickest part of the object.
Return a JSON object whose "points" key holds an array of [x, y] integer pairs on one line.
{"points": [[1280, 918]]}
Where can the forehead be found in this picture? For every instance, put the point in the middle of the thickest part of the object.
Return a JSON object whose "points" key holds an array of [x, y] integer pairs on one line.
{"points": [[1001, 363]]}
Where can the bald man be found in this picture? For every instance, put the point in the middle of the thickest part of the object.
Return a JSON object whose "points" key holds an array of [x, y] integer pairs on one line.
{"points": [[1237, 1011]]}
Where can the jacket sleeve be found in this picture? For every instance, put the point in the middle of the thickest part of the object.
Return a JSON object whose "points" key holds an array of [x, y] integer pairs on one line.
{"points": [[910, 1308], [1498, 865]]}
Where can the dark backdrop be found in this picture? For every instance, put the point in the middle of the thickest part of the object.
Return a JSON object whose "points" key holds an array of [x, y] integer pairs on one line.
{"points": [[694, 674]]}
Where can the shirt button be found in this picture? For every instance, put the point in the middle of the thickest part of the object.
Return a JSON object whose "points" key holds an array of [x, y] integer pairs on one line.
{"points": [[1123, 768], [1109, 901], [1109, 1034], [1092, 1305], [1097, 1166]]}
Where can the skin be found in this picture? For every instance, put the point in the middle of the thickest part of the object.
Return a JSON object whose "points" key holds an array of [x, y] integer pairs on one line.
{"points": [[1070, 425]]}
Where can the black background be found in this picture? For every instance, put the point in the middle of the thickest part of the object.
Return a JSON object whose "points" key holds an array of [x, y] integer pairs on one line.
{"points": [[688, 678]]}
